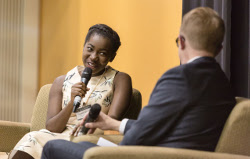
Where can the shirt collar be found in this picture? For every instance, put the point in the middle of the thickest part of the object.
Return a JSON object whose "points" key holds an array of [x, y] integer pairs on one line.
{"points": [[194, 58]]}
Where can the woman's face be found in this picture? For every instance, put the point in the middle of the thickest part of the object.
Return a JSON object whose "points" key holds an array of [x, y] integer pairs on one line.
{"points": [[97, 53]]}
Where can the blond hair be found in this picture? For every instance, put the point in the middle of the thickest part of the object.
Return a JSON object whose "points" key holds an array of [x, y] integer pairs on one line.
{"points": [[204, 29]]}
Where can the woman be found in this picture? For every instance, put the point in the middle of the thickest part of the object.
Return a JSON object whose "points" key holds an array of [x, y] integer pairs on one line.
{"points": [[109, 88]]}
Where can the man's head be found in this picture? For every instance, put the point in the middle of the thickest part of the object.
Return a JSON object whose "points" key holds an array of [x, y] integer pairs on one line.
{"points": [[203, 30]]}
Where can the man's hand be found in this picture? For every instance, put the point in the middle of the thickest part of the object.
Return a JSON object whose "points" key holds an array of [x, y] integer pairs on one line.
{"points": [[103, 122]]}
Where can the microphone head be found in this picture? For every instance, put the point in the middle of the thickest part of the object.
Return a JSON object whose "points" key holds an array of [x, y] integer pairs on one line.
{"points": [[86, 74], [94, 111]]}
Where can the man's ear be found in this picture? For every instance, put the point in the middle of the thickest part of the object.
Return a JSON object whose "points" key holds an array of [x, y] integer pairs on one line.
{"points": [[182, 43], [113, 57]]}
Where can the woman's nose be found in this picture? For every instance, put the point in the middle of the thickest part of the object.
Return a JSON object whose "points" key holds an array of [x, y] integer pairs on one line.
{"points": [[94, 56]]}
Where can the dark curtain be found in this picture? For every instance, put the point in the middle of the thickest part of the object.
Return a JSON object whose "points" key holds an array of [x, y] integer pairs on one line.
{"points": [[234, 58], [240, 42]]}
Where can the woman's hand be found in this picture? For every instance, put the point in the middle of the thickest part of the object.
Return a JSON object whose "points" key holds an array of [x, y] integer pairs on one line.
{"points": [[76, 130], [78, 89], [78, 127]]}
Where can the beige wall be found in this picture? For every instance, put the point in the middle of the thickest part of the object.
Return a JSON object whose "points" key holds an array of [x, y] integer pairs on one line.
{"points": [[30, 58], [147, 29], [19, 50]]}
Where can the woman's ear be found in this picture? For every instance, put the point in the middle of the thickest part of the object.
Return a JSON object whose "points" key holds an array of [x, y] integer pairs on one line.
{"points": [[113, 57]]}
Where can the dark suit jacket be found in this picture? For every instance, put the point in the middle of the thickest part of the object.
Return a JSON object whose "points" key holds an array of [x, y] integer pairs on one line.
{"points": [[187, 108]]}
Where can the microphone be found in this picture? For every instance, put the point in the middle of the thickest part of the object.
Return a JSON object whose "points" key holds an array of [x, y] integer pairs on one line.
{"points": [[86, 75], [92, 116]]}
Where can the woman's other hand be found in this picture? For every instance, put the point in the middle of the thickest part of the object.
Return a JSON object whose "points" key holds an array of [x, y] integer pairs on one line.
{"points": [[78, 127]]}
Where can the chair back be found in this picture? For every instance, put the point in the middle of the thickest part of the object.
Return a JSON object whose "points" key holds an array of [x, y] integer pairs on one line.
{"points": [[39, 115], [135, 105], [235, 137]]}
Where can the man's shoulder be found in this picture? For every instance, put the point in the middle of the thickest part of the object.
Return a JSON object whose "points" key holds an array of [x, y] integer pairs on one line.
{"points": [[200, 63], [199, 68], [172, 75], [175, 71]]}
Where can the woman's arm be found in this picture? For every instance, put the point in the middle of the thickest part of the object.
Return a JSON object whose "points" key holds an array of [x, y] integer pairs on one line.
{"points": [[57, 117], [122, 95]]}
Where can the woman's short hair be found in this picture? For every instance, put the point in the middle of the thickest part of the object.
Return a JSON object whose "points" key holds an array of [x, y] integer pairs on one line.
{"points": [[204, 29], [107, 32]]}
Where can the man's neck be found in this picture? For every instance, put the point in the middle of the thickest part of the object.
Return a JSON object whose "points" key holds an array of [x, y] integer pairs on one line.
{"points": [[194, 58], [194, 54]]}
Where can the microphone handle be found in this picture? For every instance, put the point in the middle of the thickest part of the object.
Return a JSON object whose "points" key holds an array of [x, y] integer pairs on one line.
{"points": [[76, 103], [85, 80], [84, 129]]}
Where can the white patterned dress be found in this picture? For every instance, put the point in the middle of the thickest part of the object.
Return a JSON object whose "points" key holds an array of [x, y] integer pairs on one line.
{"points": [[101, 92]]}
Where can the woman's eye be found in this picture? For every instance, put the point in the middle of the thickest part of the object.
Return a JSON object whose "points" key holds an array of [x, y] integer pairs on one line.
{"points": [[103, 54], [89, 49]]}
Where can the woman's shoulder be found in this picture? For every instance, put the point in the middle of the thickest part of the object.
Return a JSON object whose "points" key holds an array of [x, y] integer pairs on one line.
{"points": [[76, 70], [59, 80], [58, 83], [122, 77], [117, 73]]}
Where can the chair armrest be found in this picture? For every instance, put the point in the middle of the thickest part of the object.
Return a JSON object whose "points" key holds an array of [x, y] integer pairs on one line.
{"points": [[94, 138], [150, 152], [11, 133]]}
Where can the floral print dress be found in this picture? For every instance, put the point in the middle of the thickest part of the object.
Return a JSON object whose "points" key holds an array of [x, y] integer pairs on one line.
{"points": [[101, 92]]}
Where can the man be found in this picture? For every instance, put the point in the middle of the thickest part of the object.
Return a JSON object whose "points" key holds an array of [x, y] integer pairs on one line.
{"points": [[189, 104]]}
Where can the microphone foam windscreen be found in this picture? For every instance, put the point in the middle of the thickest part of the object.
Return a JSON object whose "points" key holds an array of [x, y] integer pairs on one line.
{"points": [[87, 72], [94, 111]]}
